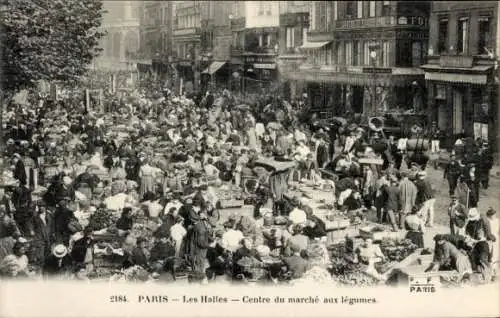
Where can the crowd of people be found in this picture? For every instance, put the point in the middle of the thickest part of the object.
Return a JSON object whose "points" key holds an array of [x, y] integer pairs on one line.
{"points": [[154, 171]]}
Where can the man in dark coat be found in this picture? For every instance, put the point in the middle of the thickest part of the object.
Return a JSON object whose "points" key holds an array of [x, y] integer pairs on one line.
{"points": [[19, 169], [484, 165], [199, 243], [451, 173], [81, 248], [43, 226], [295, 263]]}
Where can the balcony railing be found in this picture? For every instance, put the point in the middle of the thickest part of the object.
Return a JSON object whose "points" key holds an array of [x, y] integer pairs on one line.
{"points": [[459, 61], [386, 21], [187, 31], [237, 50], [367, 23]]}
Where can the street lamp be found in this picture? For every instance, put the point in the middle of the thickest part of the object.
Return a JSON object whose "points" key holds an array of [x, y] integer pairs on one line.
{"points": [[373, 58]]}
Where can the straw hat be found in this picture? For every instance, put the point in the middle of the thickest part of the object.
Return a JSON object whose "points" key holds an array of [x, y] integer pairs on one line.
{"points": [[59, 251]]}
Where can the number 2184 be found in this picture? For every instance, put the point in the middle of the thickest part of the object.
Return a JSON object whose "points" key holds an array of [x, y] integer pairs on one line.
{"points": [[118, 299]]}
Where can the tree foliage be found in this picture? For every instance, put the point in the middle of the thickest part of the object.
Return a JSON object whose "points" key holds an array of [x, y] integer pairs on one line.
{"points": [[48, 40]]}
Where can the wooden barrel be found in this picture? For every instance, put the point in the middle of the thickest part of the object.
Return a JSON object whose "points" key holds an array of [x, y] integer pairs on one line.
{"points": [[417, 144]]}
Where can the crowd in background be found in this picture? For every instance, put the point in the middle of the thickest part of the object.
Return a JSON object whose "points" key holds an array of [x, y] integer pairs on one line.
{"points": [[151, 159]]}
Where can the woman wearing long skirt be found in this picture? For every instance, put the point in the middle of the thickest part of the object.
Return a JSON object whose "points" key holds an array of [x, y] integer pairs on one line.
{"points": [[146, 175]]}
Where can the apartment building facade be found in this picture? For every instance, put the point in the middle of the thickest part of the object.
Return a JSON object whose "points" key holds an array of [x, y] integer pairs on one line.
{"points": [[260, 33], [122, 41], [461, 68], [363, 56]]}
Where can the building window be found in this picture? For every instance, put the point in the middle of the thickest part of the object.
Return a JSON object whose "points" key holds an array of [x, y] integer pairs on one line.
{"points": [[484, 44], [264, 8], [348, 53], [372, 8], [366, 53], [304, 35], [290, 38], [359, 10], [328, 16], [335, 11], [443, 36], [234, 9], [386, 49], [268, 40], [312, 15], [350, 10], [416, 54], [462, 35], [386, 8], [340, 53], [355, 53]]}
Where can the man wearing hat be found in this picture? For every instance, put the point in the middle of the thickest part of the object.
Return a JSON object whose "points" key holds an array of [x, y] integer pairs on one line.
{"points": [[82, 251], [484, 164], [295, 263], [425, 198], [452, 172], [458, 216], [19, 169], [58, 262]]}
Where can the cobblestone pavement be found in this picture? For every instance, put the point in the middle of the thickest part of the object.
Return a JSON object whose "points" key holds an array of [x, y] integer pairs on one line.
{"points": [[488, 197]]}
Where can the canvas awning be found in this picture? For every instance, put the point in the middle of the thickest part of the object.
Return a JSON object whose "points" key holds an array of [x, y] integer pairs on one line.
{"points": [[314, 45], [474, 75], [213, 68], [479, 79]]}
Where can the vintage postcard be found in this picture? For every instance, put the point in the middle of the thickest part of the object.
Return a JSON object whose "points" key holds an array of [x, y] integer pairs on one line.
{"points": [[249, 158]]}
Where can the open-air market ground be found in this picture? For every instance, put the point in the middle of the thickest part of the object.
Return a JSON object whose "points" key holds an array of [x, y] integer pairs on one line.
{"points": [[488, 198]]}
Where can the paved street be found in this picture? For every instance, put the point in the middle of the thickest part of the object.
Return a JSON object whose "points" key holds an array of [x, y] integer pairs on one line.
{"points": [[488, 198]]}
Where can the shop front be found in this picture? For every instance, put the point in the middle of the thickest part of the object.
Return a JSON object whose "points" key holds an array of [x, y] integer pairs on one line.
{"points": [[459, 101], [260, 72]]}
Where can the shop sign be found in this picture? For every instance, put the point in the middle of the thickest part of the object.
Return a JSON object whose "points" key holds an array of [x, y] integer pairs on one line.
{"points": [[378, 70], [265, 66], [259, 59]]}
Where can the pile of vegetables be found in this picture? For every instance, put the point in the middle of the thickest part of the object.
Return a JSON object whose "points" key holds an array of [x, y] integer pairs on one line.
{"points": [[132, 274], [397, 250], [346, 272], [101, 219], [229, 193]]}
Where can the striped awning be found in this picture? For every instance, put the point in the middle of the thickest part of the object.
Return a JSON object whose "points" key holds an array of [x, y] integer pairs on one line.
{"points": [[479, 79], [314, 45], [473, 75], [357, 79], [213, 68]]}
